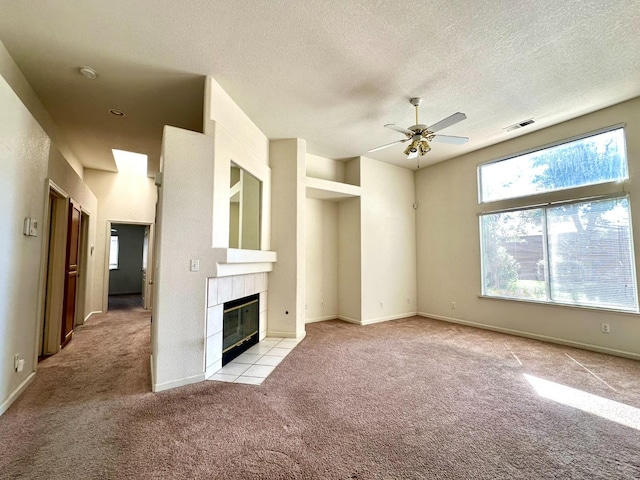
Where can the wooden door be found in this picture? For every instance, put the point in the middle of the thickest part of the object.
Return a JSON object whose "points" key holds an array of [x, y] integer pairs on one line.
{"points": [[71, 273]]}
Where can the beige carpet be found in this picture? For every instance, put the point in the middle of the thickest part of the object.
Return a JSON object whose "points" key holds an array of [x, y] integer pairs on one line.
{"points": [[407, 399]]}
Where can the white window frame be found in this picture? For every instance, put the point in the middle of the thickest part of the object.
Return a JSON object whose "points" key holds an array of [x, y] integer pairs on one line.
{"points": [[575, 195]]}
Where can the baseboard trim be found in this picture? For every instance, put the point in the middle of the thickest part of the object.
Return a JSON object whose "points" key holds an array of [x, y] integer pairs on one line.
{"points": [[86, 319], [535, 336], [13, 396], [153, 373], [349, 319], [320, 319], [371, 321], [386, 319], [181, 382], [276, 333]]}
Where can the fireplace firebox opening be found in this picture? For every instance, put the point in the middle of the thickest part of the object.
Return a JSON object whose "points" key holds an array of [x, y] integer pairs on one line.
{"points": [[240, 324]]}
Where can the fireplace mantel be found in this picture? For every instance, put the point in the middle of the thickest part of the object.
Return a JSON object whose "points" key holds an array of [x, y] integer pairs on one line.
{"points": [[235, 261]]}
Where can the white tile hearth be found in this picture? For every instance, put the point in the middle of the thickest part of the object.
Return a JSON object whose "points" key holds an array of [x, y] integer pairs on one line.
{"points": [[256, 364]]}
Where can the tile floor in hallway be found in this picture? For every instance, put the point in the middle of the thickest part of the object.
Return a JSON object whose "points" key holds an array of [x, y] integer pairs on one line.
{"points": [[257, 363]]}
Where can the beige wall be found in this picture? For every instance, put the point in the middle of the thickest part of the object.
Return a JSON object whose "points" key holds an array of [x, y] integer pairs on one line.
{"points": [[388, 241], [193, 223], [122, 198], [321, 260], [183, 233], [27, 158], [349, 261], [449, 252], [24, 152], [12, 74], [65, 177], [286, 315]]}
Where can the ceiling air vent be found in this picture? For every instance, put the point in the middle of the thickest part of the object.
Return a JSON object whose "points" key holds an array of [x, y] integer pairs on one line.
{"points": [[518, 125]]}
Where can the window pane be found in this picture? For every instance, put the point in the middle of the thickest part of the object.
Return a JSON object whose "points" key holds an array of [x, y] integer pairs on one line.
{"points": [[113, 252], [513, 255], [588, 161], [590, 254]]}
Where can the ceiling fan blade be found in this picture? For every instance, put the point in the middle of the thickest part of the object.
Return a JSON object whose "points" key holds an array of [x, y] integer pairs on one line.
{"points": [[447, 122], [450, 139], [397, 128], [388, 145]]}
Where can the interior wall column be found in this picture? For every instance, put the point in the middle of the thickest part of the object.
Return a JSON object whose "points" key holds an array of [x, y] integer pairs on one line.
{"points": [[287, 280]]}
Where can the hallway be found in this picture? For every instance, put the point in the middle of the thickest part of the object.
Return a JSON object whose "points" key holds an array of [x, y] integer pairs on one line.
{"points": [[64, 423]]}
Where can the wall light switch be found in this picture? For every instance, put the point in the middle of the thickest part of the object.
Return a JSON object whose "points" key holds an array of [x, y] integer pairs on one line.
{"points": [[27, 226], [33, 229], [195, 265]]}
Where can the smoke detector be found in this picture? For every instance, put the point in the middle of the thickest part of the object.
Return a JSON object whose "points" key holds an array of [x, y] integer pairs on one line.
{"points": [[88, 72]]}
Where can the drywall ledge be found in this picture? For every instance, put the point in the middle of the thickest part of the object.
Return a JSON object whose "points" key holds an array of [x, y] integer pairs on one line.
{"points": [[321, 189], [236, 261]]}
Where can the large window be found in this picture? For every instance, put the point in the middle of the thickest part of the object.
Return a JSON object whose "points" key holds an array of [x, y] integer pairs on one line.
{"points": [[576, 251], [590, 160]]}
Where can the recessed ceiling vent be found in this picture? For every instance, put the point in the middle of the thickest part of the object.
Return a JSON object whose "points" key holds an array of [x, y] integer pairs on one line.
{"points": [[518, 125]]}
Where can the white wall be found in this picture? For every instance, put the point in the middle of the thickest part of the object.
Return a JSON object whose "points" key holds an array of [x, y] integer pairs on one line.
{"points": [[321, 260], [122, 198], [449, 251], [388, 241], [24, 152], [12, 74], [325, 168], [349, 261], [286, 281], [183, 233], [193, 221]]}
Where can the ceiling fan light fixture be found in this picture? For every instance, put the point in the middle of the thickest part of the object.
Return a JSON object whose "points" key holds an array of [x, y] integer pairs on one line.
{"points": [[424, 147]]}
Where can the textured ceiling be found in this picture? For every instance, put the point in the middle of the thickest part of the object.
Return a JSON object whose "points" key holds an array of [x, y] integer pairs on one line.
{"points": [[331, 72]]}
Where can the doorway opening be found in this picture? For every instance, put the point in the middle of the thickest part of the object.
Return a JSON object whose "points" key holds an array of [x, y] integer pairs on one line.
{"points": [[128, 252]]}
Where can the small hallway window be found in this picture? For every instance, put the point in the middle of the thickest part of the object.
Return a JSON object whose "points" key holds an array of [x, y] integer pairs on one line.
{"points": [[114, 252]]}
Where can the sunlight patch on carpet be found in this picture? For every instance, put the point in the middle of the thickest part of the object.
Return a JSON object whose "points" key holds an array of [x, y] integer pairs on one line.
{"points": [[587, 402]]}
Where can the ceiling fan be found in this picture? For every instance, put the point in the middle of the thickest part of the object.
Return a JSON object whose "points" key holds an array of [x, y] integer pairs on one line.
{"points": [[420, 135]]}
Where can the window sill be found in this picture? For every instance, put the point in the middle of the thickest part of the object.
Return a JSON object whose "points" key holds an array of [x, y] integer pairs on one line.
{"points": [[562, 305]]}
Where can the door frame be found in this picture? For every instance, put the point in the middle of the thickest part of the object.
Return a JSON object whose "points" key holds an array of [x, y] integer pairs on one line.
{"points": [[150, 271], [51, 298], [83, 271], [55, 226]]}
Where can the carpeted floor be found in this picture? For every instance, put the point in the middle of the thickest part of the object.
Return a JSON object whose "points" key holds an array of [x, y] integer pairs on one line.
{"points": [[406, 399]]}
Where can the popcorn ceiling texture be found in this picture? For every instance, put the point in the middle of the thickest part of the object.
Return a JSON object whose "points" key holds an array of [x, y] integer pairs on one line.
{"points": [[330, 72]]}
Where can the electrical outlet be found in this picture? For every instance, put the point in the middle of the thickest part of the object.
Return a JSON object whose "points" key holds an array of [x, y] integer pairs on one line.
{"points": [[408, 301], [321, 303], [381, 304], [606, 328], [306, 306], [16, 362], [453, 305]]}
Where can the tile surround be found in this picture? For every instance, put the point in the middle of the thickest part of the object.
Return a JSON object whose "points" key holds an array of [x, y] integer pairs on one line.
{"points": [[225, 289]]}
